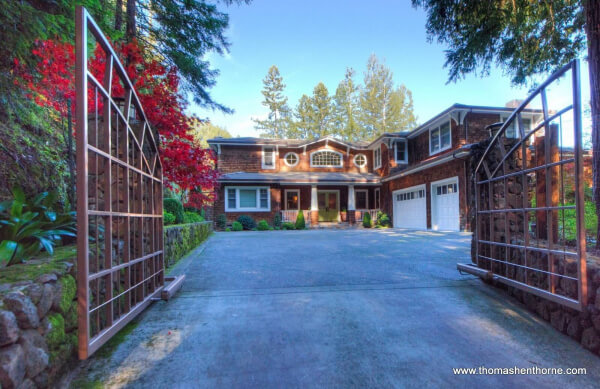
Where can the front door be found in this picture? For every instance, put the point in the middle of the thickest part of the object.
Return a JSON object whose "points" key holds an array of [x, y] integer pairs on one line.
{"points": [[328, 206]]}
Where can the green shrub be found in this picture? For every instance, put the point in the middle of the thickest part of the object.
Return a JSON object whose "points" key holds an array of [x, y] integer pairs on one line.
{"points": [[263, 225], [228, 229], [221, 221], [237, 226], [247, 222], [175, 207], [300, 224], [367, 223], [288, 226], [168, 218], [383, 220], [28, 226], [277, 221], [203, 214], [192, 217]]}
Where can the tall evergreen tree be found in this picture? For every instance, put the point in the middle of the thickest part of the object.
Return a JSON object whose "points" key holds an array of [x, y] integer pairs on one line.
{"points": [[277, 123], [384, 107], [346, 109], [321, 113], [303, 124]]}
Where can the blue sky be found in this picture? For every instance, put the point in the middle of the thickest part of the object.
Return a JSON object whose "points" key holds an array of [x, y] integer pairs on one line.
{"points": [[312, 41]]}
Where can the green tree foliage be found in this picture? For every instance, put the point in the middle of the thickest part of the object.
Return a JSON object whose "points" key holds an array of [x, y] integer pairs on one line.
{"points": [[205, 131], [300, 223], [174, 207], [346, 109], [321, 112], [278, 120], [303, 126], [524, 38], [384, 107], [367, 222]]}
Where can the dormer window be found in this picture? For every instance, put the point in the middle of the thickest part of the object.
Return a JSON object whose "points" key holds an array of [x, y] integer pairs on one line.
{"points": [[268, 157], [401, 151], [326, 158], [440, 138], [377, 157], [512, 131]]}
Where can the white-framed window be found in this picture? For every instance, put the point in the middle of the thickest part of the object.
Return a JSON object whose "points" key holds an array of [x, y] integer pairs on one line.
{"points": [[440, 138], [401, 151], [415, 194], [360, 160], [361, 196], [447, 189], [377, 157], [291, 159], [512, 131], [247, 199], [292, 199], [268, 157], [377, 198], [326, 158]]}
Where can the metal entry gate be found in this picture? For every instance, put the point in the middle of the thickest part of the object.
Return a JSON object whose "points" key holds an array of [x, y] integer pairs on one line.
{"points": [[120, 265], [529, 192]]}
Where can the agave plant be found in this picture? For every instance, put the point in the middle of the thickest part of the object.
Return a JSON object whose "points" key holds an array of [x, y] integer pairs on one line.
{"points": [[30, 226]]}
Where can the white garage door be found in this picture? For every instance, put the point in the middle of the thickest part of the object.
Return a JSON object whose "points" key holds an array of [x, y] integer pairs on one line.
{"points": [[410, 208], [445, 205]]}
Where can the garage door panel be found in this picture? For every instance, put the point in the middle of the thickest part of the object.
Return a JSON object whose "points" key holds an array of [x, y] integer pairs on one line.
{"points": [[410, 208], [445, 206]]}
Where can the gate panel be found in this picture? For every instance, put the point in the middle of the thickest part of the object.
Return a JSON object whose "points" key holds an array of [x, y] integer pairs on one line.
{"points": [[529, 196], [120, 264]]}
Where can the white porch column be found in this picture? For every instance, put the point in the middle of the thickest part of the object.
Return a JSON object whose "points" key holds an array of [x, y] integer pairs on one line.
{"points": [[314, 200], [351, 201]]}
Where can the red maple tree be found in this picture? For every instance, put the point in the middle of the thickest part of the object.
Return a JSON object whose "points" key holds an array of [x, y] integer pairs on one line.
{"points": [[187, 166]]}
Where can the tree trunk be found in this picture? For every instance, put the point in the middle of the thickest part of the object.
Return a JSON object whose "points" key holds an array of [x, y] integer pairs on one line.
{"points": [[130, 32], [119, 15], [592, 29]]}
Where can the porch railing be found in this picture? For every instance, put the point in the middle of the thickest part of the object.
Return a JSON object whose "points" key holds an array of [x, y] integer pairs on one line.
{"points": [[360, 213], [291, 215]]}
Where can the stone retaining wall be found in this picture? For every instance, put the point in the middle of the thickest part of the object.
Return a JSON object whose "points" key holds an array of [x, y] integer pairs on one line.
{"points": [[181, 239], [38, 317]]}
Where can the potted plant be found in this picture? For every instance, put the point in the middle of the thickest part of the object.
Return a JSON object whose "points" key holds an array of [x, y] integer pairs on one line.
{"points": [[344, 215]]}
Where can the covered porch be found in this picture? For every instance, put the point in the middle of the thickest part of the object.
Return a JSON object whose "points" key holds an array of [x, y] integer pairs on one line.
{"points": [[323, 197]]}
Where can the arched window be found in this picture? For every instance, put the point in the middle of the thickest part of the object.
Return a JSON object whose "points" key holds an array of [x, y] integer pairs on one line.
{"points": [[326, 158]]}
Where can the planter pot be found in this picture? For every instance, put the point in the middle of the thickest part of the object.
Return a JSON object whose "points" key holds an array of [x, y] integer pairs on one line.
{"points": [[343, 216]]}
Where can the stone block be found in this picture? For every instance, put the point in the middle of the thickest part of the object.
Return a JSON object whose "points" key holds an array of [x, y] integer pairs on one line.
{"points": [[46, 300], [9, 328], [558, 320], [12, 366], [590, 339], [25, 311]]}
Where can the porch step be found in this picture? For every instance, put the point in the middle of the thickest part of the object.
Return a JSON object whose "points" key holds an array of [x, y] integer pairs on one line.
{"points": [[334, 225]]}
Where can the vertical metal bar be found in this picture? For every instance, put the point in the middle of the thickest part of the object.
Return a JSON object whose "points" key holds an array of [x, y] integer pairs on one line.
{"points": [[549, 189], [108, 189], [83, 319], [579, 198]]}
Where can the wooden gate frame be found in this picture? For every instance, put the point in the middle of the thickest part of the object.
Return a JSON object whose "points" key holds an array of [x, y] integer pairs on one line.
{"points": [[500, 173], [120, 264]]}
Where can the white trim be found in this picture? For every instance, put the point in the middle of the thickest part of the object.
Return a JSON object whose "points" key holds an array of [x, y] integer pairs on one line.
{"points": [[341, 165], [363, 165], [286, 162], [266, 167], [366, 197], [405, 160], [375, 165], [439, 128], [449, 180], [285, 192], [410, 189], [429, 165], [237, 199], [405, 190]]}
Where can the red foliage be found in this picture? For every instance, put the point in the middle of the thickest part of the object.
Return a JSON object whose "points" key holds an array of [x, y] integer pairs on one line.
{"points": [[187, 167]]}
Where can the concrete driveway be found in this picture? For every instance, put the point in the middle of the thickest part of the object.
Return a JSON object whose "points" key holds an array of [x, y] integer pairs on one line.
{"points": [[340, 309]]}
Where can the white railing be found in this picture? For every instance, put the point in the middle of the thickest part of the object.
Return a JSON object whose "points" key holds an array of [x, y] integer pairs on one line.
{"points": [[291, 215], [360, 213]]}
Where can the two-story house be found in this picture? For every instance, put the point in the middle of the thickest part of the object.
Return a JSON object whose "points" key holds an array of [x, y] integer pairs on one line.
{"points": [[418, 177]]}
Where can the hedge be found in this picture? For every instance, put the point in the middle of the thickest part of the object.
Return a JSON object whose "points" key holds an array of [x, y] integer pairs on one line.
{"points": [[181, 239]]}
